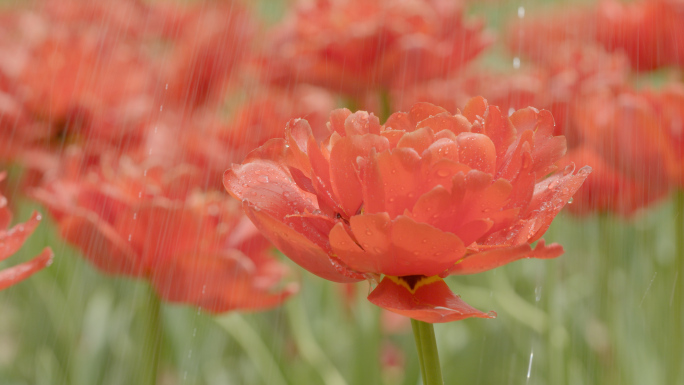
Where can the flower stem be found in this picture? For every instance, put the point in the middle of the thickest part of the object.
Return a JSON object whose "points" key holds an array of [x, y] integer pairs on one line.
{"points": [[676, 355], [426, 344], [151, 349]]}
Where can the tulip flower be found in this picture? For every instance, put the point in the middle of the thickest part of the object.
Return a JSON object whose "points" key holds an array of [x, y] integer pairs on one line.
{"points": [[405, 204], [351, 46], [145, 222], [424, 196]]}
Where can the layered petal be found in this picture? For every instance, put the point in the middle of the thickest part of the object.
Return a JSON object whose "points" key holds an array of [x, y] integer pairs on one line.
{"points": [[426, 299]]}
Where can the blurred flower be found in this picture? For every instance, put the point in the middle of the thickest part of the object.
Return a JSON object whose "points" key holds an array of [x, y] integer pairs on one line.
{"points": [[11, 241], [635, 159], [211, 40], [644, 30], [556, 81], [426, 195], [352, 46], [145, 221]]}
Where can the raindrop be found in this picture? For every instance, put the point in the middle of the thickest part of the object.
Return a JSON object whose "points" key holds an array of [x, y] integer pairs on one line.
{"points": [[569, 169], [443, 173], [511, 111], [529, 367], [262, 178], [537, 293], [570, 200], [368, 232], [39, 217], [516, 62], [167, 86], [521, 12], [161, 108], [554, 184]]}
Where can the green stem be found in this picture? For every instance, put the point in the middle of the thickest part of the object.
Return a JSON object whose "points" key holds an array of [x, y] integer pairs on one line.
{"points": [[676, 354], [426, 344], [385, 106], [151, 349]]}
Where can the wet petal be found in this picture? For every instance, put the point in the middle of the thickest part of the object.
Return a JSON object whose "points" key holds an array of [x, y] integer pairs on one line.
{"points": [[269, 186], [12, 275], [296, 246], [496, 257], [426, 299], [216, 283], [11, 240], [398, 247]]}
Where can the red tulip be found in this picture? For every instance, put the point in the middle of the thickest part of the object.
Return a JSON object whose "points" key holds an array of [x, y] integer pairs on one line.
{"points": [[194, 248], [11, 241], [426, 195], [351, 46], [634, 154]]}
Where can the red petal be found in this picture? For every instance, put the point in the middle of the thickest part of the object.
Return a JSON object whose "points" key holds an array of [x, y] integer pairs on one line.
{"points": [[399, 121], [361, 123], [475, 107], [101, 244], [12, 275], [491, 259], [315, 227], [418, 140], [12, 239], [477, 151], [399, 247], [455, 124], [428, 300], [296, 246], [421, 111], [500, 130], [269, 186], [216, 283], [337, 118], [344, 168], [550, 196]]}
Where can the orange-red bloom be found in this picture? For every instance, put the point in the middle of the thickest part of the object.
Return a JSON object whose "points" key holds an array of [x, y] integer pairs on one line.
{"points": [[633, 147], [11, 241], [194, 248], [648, 31], [351, 46], [426, 195]]}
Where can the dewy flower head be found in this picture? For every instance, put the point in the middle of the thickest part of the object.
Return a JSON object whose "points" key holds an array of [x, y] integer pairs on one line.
{"points": [[426, 195]]}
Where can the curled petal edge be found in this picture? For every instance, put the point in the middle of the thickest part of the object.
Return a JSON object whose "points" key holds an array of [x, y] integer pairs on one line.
{"points": [[426, 299]]}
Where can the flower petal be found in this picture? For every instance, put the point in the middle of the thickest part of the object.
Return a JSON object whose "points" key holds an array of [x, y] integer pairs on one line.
{"points": [[491, 259], [296, 246], [216, 283], [426, 299], [12, 275], [395, 247], [269, 186], [12, 239], [344, 168]]}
